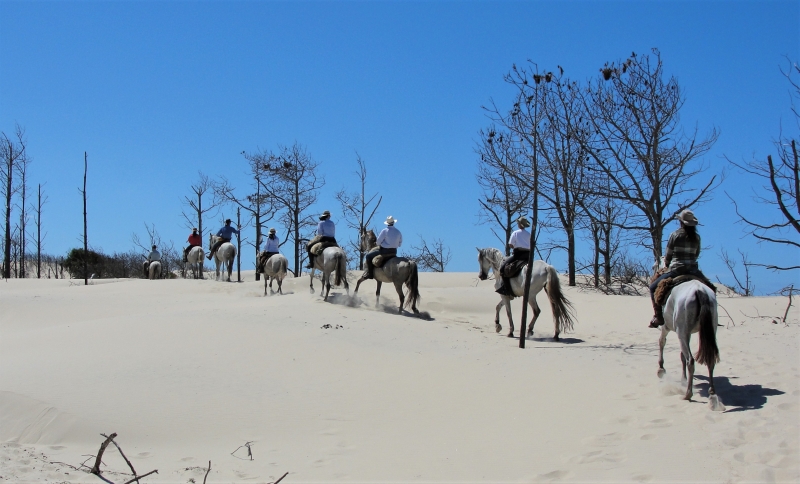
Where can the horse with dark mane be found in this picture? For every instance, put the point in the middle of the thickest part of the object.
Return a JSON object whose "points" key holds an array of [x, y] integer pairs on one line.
{"points": [[397, 271]]}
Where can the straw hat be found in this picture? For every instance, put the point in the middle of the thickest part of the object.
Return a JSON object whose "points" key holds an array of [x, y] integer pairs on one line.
{"points": [[272, 231], [326, 213], [523, 221], [687, 218], [390, 220]]}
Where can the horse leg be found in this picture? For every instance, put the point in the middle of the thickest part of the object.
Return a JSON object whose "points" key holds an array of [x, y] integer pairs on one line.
{"points": [[497, 326], [399, 288], [311, 281], [536, 312], [280, 286], [378, 293], [358, 283], [711, 390], [690, 382], [683, 366], [662, 340], [507, 302]]}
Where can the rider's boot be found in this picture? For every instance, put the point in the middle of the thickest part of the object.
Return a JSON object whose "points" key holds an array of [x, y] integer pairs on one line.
{"points": [[658, 318], [210, 255], [505, 288], [310, 264]]}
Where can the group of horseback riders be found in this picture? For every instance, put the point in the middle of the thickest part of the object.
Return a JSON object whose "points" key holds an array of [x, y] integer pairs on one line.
{"points": [[389, 240], [680, 261]]}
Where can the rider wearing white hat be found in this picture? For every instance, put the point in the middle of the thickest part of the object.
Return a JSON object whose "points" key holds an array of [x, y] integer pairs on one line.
{"points": [[520, 242], [388, 241]]}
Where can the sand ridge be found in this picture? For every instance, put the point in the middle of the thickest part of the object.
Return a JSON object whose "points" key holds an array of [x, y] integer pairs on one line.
{"points": [[188, 371]]}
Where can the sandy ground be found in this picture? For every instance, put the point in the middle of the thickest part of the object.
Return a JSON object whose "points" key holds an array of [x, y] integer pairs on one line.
{"points": [[187, 372]]}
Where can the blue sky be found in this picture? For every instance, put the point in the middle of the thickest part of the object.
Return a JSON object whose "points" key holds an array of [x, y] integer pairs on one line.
{"points": [[157, 91]]}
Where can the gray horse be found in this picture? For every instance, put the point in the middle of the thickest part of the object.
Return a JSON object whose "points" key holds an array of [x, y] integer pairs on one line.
{"points": [[544, 276], [332, 259], [195, 261], [154, 270], [224, 255], [397, 270], [275, 269]]}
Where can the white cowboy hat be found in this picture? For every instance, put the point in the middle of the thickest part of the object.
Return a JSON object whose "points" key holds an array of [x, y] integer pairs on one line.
{"points": [[523, 221], [687, 218], [390, 220]]}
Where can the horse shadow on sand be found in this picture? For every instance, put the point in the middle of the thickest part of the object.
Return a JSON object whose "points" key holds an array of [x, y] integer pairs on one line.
{"points": [[386, 306], [743, 397], [563, 341]]}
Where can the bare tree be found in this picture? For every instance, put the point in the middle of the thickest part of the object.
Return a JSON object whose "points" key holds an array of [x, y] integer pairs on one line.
{"points": [[637, 142], [744, 285], [293, 184], [432, 257], [170, 257], [85, 230], [193, 214], [24, 216], [504, 198], [258, 205], [12, 154], [357, 209], [781, 189], [41, 199]]}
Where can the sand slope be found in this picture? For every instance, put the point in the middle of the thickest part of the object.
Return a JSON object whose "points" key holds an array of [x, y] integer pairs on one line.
{"points": [[188, 371]]}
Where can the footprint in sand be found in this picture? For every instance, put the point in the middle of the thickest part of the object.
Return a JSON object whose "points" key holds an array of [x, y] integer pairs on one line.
{"points": [[187, 459], [642, 478], [600, 456], [143, 455], [606, 440], [791, 407], [57, 447], [553, 476], [658, 423], [648, 437]]}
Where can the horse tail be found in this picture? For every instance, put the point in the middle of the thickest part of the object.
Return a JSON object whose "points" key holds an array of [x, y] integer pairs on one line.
{"points": [[412, 283], [283, 267], [341, 268], [708, 352], [562, 308]]}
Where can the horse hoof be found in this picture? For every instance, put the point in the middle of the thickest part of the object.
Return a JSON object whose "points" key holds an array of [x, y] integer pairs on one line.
{"points": [[661, 372], [510, 335], [498, 328], [556, 338]]}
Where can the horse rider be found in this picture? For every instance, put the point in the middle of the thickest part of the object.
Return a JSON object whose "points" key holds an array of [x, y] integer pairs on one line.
{"points": [[194, 241], [520, 243], [388, 241], [326, 233], [154, 256], [225, 234], [683, 249], [272, 248]]}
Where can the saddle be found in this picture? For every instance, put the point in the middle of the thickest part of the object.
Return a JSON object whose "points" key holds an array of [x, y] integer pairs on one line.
{"points": [[665, 287], [513, 268], [263, 257], [316, 247], [381, 259]]}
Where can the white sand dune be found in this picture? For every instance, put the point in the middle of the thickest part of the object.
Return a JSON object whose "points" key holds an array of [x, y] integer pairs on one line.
{"points": [[189, 371]]}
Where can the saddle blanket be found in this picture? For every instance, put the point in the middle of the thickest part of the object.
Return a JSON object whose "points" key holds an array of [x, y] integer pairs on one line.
{"points": [[665, 287], [513, 268], [317, 248], [381, 259]]}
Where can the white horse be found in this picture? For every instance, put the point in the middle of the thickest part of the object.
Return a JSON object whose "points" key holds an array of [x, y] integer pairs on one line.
{"points": [[332, 259], [195, 260], [544, 276], [154, 270], [692, 308], [275, 269], [397, 270], [224, 255]]}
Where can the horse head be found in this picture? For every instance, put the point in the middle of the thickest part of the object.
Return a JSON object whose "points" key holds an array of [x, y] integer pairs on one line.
{"points": [[368, 239], [484, 265]]}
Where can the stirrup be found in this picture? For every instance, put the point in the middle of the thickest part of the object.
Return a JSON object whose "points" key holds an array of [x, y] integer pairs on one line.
{"points": [[655, 323]]}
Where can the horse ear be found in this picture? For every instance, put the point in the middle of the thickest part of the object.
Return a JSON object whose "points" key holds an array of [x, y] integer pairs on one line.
{"points": [[476, 248]]}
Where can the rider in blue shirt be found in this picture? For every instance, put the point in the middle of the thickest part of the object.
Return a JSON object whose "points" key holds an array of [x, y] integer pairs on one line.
{"points": [[388, 241], [225, 234]]}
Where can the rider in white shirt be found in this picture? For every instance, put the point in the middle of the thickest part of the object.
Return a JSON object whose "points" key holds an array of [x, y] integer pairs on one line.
{"points": [[272, 248], [520, 242], [154, 255], [326, 233], [388, 241]]}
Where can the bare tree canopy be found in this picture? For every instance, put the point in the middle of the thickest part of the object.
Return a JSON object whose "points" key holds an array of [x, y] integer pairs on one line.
{"points": [[638, 144], [432, 257], [197, 207], [292, 183], [779, 192], [503, 197]]}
